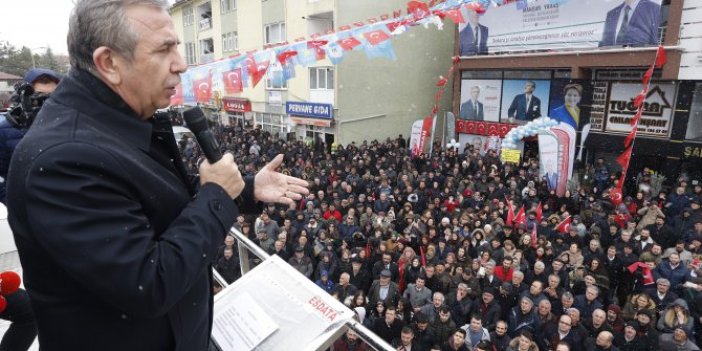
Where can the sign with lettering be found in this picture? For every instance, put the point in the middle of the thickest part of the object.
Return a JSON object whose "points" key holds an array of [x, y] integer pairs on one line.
{"points": [[657, 111], [236, 105], [309, 109], [692, 151], [511, 156]]}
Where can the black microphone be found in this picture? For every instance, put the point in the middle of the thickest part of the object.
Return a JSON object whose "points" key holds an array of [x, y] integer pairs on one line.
{"points": [[196, 121]]}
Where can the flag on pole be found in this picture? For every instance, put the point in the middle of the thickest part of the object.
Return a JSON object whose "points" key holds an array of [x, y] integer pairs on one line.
{"points": [[564, 226], [520, 217], [510, 213], [539, 212]]}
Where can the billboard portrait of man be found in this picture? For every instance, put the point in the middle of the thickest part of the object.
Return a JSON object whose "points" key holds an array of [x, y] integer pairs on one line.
{"points": [[473, 108], [633, 23], [473, 38], [525, 106]]}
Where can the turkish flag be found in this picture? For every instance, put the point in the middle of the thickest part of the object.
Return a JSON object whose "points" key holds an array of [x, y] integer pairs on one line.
{"points": [[639, 99], [177, 98], [510, 213], [637, 117], [520, 217], [645, 271], [376, 37], [232, 81], [630, 138], [539, 212], [203, 88], [661, 57], [256, 69], [284, 56], [418, 9], [623, 160], [319, 52], [455, 15], [393, 25], [615, 195], [564, 226], [647, 76], [349, 43]]}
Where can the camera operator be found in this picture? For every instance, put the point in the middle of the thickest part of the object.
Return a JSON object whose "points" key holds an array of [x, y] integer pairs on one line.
{"points": [[30, 94], [38, 84]]}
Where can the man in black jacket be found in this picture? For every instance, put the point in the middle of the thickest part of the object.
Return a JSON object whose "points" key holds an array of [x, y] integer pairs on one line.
{"points": [[115, 240]]}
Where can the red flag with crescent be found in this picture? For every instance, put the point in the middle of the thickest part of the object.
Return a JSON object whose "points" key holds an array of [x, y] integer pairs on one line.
{"points": [[564, 226], [349, 43], [376, 37], [177, 98], [232, 81], [418, 9], [615, 196], [203, 88]]}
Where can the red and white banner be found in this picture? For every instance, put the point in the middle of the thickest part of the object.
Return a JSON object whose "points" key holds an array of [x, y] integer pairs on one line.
{"points": [[557, 153], [483, 128]]}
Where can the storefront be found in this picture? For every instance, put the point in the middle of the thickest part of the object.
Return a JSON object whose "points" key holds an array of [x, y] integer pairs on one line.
{"points": [[312, 121], [238, 112]]}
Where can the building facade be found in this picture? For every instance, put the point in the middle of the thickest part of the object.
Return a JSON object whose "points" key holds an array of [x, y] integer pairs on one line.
{"points": [[357, 99], [608, 74]]}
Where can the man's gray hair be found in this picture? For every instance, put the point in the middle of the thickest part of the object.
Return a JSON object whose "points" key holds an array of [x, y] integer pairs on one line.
{"points": [[96, 23]]}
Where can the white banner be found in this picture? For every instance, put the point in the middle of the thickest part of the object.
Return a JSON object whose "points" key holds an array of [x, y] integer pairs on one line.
{"points": [[543, 24], [415, 137], [480, 100], [658, 108]]}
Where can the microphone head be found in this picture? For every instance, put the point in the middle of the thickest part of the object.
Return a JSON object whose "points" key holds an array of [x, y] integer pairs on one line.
{"points": [[195, 119]]}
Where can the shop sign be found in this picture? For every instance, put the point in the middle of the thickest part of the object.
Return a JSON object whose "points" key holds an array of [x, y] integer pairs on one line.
{"points": [[311, 121], [656, 119], [309, 109], [692, 151], [236, 105]]}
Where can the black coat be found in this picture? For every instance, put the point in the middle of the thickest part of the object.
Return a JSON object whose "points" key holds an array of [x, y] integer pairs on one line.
{"points": [[113, 239]]}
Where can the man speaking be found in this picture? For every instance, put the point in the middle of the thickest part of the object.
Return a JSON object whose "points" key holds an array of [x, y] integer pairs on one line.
{"points": [[114, 240]]}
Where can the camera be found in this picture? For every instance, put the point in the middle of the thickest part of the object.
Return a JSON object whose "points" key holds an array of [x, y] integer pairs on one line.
{"points": [[26, 105]]}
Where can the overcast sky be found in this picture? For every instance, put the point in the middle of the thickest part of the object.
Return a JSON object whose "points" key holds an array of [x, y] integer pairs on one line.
{"points": [[36, 23]]}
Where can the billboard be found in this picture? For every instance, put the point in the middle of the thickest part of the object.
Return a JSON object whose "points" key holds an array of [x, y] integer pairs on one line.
{"points": [[524, 100], [545, 24], [571, 102], [656, 119], [480, 100]]}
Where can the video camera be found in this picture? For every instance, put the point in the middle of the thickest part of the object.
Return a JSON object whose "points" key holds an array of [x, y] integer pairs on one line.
{"points": [[26, 104]]}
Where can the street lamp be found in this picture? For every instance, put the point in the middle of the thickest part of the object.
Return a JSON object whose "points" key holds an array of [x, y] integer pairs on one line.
{"points": [[34, 64]]}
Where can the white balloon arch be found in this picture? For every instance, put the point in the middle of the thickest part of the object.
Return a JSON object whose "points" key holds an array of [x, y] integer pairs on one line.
{"points": [[528, 130]]}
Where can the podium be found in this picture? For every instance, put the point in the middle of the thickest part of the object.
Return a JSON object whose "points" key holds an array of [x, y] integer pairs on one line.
{"points": [[274, 307]]}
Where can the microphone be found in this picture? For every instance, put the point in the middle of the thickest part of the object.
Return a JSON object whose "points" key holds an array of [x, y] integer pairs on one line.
{"points": [[196, 121]]}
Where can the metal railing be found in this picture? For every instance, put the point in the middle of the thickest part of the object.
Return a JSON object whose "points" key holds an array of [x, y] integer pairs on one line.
{"points": [[245, 245]]}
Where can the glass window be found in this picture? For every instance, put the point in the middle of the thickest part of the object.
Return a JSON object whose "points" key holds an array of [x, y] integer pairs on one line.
{"points": [[694, 123], [188, 17], [274, 33], [322, 78], [190, 57], [227, 5], [313, 78], [330, 78]]}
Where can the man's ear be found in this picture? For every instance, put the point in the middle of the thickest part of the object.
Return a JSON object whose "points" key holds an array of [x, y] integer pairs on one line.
{"points": [[107, 64]]}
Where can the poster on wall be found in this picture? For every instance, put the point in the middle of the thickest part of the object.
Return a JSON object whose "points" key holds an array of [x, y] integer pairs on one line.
{"points": [[656, 119], [600, 92], [480, 142], [569, 24], [571, 102], [524, 100], [480, 100]]}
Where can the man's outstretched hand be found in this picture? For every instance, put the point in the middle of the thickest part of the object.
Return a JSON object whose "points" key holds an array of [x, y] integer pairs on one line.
{"points": [[273, 186]]}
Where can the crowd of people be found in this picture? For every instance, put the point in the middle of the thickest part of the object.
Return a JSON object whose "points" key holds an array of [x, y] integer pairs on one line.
{"points": [[423, 251]]}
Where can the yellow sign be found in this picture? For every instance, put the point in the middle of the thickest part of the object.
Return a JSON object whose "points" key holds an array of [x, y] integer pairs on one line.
{"points": [[511, 156]]}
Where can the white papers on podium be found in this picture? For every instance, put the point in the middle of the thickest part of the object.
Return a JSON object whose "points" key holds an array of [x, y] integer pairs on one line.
{"points": [[303, 313], [241, 324]]}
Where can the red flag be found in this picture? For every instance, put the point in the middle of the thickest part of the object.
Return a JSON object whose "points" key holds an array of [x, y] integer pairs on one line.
{"points": [[615, 195], [418, 9], [645, 270], [320, 54], [256, 69], [661, 57], [647, 76], [624, 158], [510, 213], [564, 226], [203, 88], [177, 98], [539, 212], [440, 13], [455, 15], [368, 249], [637, 117], [232, 81], [533, 236], [349, 43], [421, 254], [284, 56], [442, 81], [520, 218], [476, 7], [639, 99], [630, 138], [376, 37]]}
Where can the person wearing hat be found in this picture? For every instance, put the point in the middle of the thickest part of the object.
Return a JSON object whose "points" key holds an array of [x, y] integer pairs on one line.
{"points": [[679, 340], [647, 331], [384, 289], [325, 283], [359, 275], [301, 262], [628, 339]]}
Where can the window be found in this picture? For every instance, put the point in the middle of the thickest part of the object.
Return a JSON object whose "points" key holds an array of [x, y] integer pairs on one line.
{"points": [[206, 46], [321, 78], [694, 124], [274, 33], [274, 79], [273, 123], [188, 17], [190, 57], [230, 41], [227, 5]]}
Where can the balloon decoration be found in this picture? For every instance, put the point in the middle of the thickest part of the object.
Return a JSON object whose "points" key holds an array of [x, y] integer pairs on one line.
{"points": [[9, 284], [453, 144], [528, 130]]}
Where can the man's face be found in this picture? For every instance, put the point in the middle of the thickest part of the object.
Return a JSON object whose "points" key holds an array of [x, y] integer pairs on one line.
{"points": [[473, 17], [419, 283], [444, 316], [506, 264], [351, 335], [564, 324], [44, 85], [525, 306], [406, 338], [529, 87], [567, 302], [458, 339], [535, 288], [643, 319], [474, 93], [156, 61], [437, 300], [390, 316], [487, 298], [603, 341], [663, 287], [630, 332], [679, 336], [590, 294], [674, 259], [544, 308], [475, 325], [501, 329], [598, 317]]}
